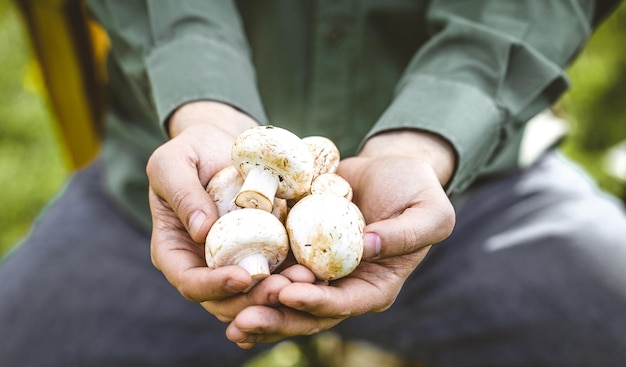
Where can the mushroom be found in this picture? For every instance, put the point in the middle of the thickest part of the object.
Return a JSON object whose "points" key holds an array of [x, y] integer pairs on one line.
{"points": [[326, 158], [326, 234], [274, 163], [325, 154], [280, 209], [331, 183], [224, 187], [251, 238]]}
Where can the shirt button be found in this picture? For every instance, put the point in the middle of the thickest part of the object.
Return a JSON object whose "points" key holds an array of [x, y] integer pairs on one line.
{"points": [[334, 36]]}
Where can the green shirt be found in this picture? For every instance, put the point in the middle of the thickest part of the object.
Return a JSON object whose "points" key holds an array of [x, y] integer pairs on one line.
{"points": [[472, 71]]}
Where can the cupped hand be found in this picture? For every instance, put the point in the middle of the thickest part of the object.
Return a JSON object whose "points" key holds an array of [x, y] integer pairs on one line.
{"points": [[182, 212], [400, 194]]}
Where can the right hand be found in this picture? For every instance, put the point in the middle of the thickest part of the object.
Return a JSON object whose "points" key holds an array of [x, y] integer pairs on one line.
{"points": [[182, 212]]}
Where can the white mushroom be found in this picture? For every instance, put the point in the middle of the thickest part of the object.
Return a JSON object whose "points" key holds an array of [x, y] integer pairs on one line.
{"points": [[252, 238], [326, 234], [274, 162], [280, 209], [326, 158], [331, 183], [224, 187], [325, 154]]}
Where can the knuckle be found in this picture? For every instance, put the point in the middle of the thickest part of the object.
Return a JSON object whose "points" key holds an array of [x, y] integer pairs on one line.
{"points": [[226, 319], [447, 222], [413, 238], [186, 293], [154, 258], [384, 307], [178, 200], [185, 289], [220, 313], [153, 167]]}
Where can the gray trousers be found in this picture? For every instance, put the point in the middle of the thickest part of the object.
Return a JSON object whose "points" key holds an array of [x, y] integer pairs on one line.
{"points": [[534, 274]]}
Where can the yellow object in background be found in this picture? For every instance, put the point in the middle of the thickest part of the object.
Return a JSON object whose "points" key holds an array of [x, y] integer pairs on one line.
{"points": [[71, 50]]}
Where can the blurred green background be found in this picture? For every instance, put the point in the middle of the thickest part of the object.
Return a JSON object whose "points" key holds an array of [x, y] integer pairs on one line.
{"points": [[34, 165]]}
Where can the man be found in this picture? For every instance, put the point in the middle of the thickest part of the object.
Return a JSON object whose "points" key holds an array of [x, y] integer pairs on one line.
{"points": [[426, 100]]}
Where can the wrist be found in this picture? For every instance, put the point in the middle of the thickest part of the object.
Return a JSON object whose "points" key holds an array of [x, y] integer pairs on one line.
{"points": [[425, 146], [218, 114]]}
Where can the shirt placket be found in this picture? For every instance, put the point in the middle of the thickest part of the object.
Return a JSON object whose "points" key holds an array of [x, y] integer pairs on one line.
{"points": [[329, 95]]}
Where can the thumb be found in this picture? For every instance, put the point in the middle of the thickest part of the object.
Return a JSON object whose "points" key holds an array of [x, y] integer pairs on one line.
{"points": [[178, 188], [415, 228]]}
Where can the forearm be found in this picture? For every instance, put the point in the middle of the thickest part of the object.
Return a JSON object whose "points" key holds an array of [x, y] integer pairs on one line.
{"points": [[505, 67], [170, 55]]}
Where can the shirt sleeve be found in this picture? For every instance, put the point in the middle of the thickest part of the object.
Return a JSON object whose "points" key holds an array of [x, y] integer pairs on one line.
{"points": [[487, 68], [175, 52]]}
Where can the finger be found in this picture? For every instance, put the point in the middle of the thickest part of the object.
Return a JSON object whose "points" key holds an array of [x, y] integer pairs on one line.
{"points": [[372, 287], [350, 300], [174, 178], [265, 324], [198, 283], [299, 274], [183, 263], [427, 223], [404, 211], [245, 345], [264, 293]]}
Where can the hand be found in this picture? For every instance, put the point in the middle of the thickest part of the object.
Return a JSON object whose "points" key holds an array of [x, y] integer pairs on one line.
{"points": [[397, 181], [182, 212]]}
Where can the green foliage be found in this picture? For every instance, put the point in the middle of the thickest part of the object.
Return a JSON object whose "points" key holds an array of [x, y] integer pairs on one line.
{"points": [[285, 354], [596, 104], [32, 164]]}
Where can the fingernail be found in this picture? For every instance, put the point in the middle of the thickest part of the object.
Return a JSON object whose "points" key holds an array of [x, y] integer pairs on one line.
{"points": [[196, 221], [372, 245]]}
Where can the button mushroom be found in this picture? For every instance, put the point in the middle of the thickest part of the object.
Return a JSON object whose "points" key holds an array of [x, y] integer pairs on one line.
{"points": [[274, 163], [325, 154], [326, 234], [331, 183], [224, 187], [326, 158], [251, 238]]}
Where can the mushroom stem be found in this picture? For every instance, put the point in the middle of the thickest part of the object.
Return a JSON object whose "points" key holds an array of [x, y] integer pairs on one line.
{"points": [[256, 265], [258, 190]]}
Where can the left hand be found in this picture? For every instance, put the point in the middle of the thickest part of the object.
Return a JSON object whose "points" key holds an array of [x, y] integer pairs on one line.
{"points": [[400, 194]]}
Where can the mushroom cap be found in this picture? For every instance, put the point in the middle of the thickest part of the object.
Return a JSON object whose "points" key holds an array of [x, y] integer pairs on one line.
{"points": [[325, 153], [242, 233], [326, 235], [279, 152], [331, 183], [280, 209], [223, 187]]}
